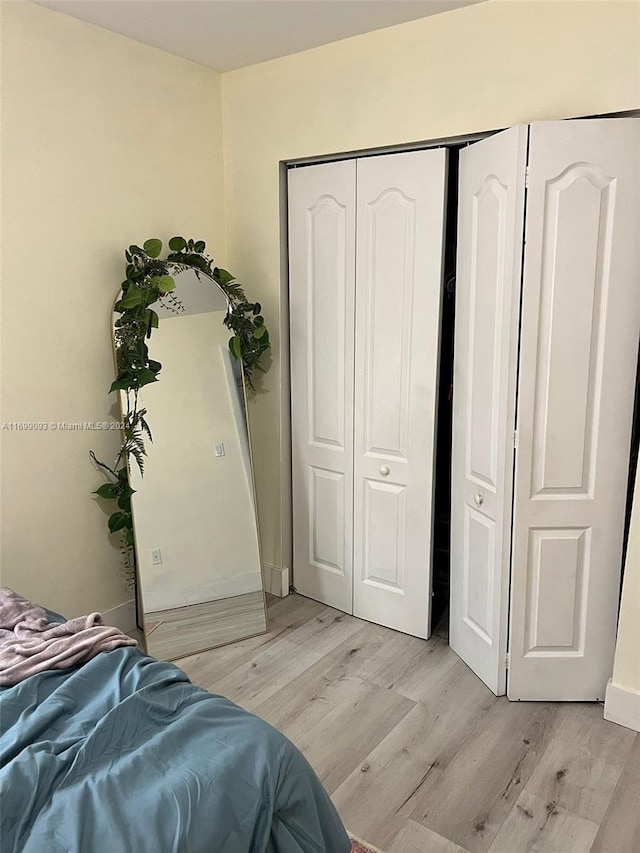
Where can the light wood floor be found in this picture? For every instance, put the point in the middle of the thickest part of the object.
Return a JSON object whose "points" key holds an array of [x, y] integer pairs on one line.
{"points": [[417, 754]]}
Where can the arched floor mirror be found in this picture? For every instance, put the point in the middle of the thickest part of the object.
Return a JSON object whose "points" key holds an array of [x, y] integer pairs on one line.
{"points": [[198, 564]]}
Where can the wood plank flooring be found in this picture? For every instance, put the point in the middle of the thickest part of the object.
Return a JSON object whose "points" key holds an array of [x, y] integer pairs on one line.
{"points": [[418, 755]]}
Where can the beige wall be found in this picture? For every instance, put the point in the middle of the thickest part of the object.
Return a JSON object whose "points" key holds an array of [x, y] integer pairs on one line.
{"points": [[483, 67], [105, 142]]}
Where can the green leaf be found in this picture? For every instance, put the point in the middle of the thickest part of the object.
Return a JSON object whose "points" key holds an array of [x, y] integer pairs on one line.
{"points": [[107, 490], [257, 308], [164, 283], [123, 474], [177, 244], [144, 377], [138, 456], [145, 426], [235, 346], [132, 298], [259, 331], [224, 276], [152, 247], [200, 246], [129, 537], [152, 297], [135, 250], [124, 381], [124, 501], [199, 262], [119, 520], [259, 320], [154, 366], [151, 321]]}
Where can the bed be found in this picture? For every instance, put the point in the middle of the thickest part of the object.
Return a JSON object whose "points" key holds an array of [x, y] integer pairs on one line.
{"points": [[122, 754]]}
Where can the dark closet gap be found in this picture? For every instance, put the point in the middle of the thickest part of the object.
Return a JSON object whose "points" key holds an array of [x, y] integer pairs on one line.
{"points": [[634, 470], [442, 491]]}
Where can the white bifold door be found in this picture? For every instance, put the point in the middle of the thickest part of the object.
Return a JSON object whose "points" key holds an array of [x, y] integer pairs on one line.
{"points": [[322, 215], [365, 252], [490, 222], [543, 399], [579, 350]]}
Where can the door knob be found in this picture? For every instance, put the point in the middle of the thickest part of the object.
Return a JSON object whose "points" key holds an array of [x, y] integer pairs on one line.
{"points": [[385, 471], [479, 499]]}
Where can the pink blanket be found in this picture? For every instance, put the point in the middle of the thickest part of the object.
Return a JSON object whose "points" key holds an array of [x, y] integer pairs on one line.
{"points": [[29, 643]]}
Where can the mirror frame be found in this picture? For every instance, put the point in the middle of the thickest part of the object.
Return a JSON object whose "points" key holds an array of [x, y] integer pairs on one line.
{"points": [[148, 278]]}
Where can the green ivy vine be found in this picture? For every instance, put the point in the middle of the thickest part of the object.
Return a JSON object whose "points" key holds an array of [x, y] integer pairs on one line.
{"points": [[149, 279]]}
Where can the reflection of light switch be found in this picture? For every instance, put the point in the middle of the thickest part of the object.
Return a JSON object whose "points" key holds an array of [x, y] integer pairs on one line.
{"points": [[156, 557], [218, 449]]}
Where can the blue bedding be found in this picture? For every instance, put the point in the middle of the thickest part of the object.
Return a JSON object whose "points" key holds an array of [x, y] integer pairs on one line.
{"points": [[124, 755]]}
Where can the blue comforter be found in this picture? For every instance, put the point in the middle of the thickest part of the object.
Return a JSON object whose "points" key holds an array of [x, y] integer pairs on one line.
{"points": [[124, 755]]}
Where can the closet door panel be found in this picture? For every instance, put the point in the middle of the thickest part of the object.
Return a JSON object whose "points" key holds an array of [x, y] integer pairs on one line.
{"points": [[400, 216], [579, 346], [322, 281], [490, 223]]}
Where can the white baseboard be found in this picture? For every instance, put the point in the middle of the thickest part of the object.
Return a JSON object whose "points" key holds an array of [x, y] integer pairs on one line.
{"points": [[276, 580], [622, 706], [122, 616]]}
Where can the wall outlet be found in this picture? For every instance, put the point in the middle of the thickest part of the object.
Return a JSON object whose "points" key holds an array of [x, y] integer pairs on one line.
{"points": [[156, 557], [218, 449]]}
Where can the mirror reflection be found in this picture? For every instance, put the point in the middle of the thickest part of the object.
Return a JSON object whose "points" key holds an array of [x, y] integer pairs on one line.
{"points": [[197, 551]]}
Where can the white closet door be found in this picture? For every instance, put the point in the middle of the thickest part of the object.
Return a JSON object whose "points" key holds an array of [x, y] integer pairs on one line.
{"points": [[579, 345], [400, 215], [490, 223], [321, 272]]}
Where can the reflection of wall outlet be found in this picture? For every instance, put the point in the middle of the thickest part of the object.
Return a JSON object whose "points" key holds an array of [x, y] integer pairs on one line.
{"points": [[156, 557], [218, 449]]}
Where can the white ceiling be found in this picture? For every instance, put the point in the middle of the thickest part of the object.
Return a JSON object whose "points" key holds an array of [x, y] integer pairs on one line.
{"points": [[228, 34]]}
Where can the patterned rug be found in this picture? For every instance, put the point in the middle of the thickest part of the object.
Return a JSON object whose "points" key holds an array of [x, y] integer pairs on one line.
{"points": [[360, 846]]}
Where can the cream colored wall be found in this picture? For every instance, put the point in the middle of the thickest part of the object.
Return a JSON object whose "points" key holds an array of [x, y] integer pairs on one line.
{"points": [[626, 668], [105, 142], [478, 68]]}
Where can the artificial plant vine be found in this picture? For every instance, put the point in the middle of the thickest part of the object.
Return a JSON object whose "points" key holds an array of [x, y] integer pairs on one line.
{"points": [[149, 279]]}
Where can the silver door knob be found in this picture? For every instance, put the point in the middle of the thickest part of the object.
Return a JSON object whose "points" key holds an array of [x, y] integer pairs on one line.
{"points": [[385, 471], [479, 499]]}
